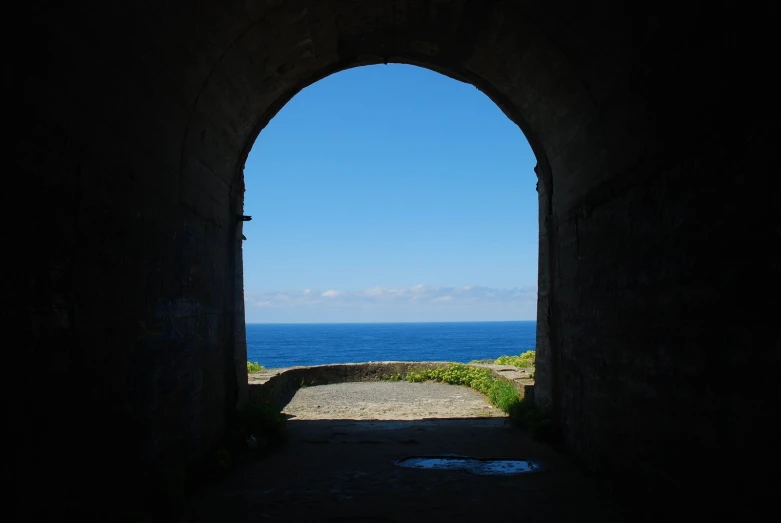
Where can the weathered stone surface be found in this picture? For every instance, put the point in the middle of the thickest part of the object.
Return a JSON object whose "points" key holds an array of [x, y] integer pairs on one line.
{"points": [[389, 400], [279, 385]]}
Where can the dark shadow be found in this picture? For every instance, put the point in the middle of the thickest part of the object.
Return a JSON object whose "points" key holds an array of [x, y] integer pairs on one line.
{"points": [[348, 469]]}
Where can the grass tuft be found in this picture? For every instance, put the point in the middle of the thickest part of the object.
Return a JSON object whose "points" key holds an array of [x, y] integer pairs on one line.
{"points": [[500, 392], [254, 367], [523, 361]]}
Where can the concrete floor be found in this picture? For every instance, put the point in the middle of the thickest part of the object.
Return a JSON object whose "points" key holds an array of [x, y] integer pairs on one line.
{"points": [[342, 470]]}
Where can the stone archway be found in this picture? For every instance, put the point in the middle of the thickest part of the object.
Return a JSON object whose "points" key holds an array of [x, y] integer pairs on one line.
{"points": [[293, 45]]}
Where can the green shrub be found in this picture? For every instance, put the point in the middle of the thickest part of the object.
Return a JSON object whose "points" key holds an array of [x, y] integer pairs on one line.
{"points": [[523, 361], [501, 393], [254, 367]]}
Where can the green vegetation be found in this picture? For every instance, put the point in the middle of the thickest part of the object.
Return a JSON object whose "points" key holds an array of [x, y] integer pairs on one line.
{"points": [[500, 392], [254, 367], [523, 361]]}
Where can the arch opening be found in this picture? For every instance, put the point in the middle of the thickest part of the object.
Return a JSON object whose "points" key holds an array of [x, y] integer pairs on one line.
{"points": [[534, 84], [389, 194]]}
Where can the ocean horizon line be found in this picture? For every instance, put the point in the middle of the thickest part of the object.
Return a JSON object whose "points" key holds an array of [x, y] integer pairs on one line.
{"points": [[277, 345], [382, 322]]}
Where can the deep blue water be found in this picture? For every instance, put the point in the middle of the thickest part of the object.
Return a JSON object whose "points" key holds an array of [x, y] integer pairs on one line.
{"points": [[284, 345]]}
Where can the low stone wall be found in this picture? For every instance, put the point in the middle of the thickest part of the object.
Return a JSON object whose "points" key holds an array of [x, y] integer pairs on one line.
{"points": [[280, 385]]}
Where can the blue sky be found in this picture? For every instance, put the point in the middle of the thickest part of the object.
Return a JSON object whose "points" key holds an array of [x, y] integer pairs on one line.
{"points": [[390, 193]]}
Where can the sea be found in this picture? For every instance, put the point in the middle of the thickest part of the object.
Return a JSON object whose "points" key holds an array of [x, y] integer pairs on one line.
{"points": [[276, 345]]}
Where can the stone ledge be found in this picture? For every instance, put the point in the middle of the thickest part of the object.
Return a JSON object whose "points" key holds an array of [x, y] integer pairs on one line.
{"points": [[279, 385]]}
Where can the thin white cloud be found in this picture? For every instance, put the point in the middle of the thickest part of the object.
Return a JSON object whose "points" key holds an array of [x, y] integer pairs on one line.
{"points": [[377, 295], [374, 291], [415, 303]]}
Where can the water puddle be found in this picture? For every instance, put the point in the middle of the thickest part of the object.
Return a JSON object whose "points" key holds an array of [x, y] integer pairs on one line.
{"points": [[478, 466]]}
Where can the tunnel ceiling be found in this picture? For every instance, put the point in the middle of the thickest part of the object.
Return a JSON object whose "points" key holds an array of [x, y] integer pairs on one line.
{"points": [[286, 48]]}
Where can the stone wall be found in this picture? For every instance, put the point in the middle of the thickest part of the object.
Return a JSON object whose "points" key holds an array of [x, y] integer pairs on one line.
{"points": [[279, 385]]}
